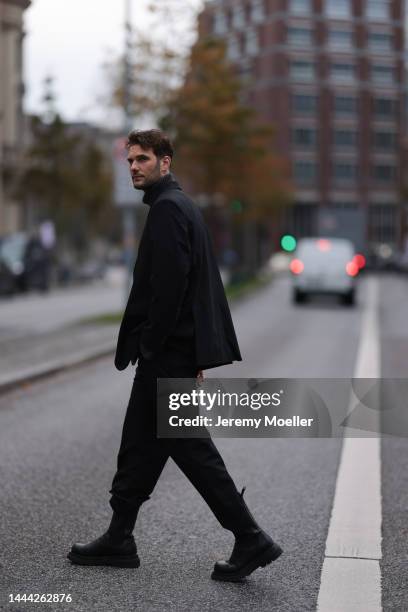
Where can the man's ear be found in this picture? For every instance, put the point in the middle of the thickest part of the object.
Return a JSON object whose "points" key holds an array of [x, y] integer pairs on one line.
{"points": [[165, 163]]}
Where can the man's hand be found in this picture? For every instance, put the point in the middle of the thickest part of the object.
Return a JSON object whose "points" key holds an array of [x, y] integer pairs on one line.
{"points": [[200, 377]]}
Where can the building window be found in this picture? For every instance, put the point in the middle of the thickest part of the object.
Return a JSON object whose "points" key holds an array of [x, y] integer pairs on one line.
{"points": [[305, 172], [302, 219], [378, 10], [257, 11], [301, 7], [345, 106], [344, 138], [344, 205], [245, 70], [385, 141], [384, 173], [300, 37], [340, 39], [304, 137], [379, 41], [252, 42], [382, 221], [302, 71], [344, 172], [338, 8], [234, 48], [383, 74], [385, 108], [304, 104], [220, 23], [342, 73], [238, 17]]}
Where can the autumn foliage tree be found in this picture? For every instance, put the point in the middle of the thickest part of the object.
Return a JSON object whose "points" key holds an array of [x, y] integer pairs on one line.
{"points": [[156, 58], [222, 147]]}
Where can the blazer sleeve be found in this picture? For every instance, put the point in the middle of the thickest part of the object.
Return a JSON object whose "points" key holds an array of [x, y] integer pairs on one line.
{"points": [[170, 268]]}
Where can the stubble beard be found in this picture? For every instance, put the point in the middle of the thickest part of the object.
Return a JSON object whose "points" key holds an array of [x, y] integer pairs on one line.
{"points": [[153, 178]]}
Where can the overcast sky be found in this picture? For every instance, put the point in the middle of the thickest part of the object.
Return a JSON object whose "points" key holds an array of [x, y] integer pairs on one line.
{"points": [[70, 40]]}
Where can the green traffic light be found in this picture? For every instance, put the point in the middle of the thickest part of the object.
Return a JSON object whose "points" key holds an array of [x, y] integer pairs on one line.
{"points": [[236, 206], [288, 243]]}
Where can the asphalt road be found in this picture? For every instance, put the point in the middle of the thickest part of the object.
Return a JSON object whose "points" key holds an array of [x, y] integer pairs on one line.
{"points": [[58, 444]]}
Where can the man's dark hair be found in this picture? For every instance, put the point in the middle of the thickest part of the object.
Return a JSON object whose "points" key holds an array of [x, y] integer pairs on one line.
{"points": [[151, 139]]}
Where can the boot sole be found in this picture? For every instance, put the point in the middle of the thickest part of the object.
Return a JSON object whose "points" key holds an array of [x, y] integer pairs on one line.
{"points": [[116, 561], [262, 560]]}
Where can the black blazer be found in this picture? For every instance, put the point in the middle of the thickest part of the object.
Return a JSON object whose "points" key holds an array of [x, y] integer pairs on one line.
{"points": [[177, 294]]}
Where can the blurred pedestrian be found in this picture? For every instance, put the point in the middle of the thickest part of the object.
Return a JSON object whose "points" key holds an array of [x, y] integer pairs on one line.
{"points": [[176, 324], [36, 264]]}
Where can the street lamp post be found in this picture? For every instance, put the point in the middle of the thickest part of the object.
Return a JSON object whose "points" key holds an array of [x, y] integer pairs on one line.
{"points": [[127, 68], [128, 212]]}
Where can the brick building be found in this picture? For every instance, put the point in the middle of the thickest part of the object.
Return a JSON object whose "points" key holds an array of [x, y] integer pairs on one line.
{"points": [[11, 115], [329, 74]]}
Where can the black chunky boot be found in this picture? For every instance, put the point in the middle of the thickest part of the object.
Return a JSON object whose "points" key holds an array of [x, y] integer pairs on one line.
{"points": [[115, 548], [253, 548]]}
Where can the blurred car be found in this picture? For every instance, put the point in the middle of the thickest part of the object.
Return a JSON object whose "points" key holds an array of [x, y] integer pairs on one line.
{"points": [[384, 257], [403, 262], [11, 257], [325, 266], [7, 281], [25, 262], [90, 270]]}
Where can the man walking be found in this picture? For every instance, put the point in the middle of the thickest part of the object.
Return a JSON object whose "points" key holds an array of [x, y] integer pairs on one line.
{"points": [[176, 324]]}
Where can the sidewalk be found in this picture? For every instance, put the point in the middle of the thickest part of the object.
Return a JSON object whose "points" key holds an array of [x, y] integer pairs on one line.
{"points": [[39, 354]]}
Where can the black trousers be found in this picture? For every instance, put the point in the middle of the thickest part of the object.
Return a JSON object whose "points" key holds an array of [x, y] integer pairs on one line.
{"points": [[142, 456]]}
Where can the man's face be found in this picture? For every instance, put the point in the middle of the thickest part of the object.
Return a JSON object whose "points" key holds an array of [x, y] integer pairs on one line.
{"points": [[145, 167]]}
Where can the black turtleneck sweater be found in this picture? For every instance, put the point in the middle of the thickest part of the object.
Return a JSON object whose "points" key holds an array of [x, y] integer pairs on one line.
{"points": [[177, 301], [152, 192]]}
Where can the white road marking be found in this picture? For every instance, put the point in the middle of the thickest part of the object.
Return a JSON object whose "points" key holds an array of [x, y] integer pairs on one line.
{"points": [[351, 577], [350, 584]]}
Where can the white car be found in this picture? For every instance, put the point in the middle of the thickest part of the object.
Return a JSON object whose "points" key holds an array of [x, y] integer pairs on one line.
{"points": [[325, 266]]}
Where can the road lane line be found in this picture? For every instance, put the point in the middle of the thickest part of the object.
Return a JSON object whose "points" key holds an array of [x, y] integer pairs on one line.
{"points": [[351, 577]]}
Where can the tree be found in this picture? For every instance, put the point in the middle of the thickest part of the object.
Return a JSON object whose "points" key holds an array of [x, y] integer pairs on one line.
{"points": [[221, 145], [155, 60], [67, 176]]}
